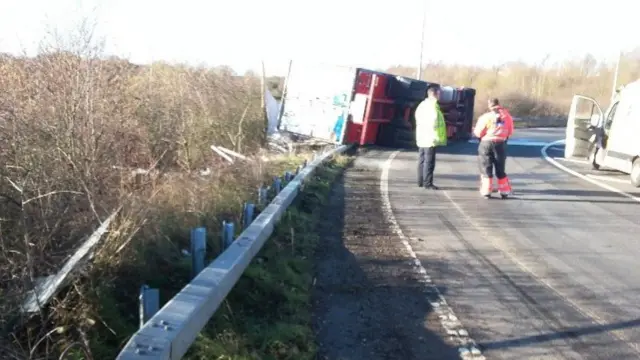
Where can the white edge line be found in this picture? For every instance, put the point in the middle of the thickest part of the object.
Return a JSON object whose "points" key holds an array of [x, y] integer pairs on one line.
{"points": [[491, 238], [448, 320], [516, 142], [577, 161], [586, 313], [555, 163], [605, 178]]}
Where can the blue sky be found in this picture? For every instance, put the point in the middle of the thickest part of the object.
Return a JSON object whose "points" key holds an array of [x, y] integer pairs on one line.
{"points": [[241, 33]]}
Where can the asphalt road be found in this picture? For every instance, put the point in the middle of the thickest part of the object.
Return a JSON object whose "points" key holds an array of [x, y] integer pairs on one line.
{"points": [[548, 274]]}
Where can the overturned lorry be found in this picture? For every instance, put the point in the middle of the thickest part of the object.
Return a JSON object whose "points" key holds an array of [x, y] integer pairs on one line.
{"points": [[348, 105]]}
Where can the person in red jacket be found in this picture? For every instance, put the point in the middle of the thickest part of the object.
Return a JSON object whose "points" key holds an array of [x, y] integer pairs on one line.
{"points": [[493, 129]]}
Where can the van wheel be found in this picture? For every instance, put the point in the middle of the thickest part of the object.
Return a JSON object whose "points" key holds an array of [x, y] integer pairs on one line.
{"points": [[635, 173], [592, 158]]}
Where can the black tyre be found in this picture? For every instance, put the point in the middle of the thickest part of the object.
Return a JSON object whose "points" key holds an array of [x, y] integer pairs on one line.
{"points": [[390, 135]]}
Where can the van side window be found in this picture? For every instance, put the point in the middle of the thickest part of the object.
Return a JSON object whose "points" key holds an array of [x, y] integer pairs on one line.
{"points": [[610, 116]]}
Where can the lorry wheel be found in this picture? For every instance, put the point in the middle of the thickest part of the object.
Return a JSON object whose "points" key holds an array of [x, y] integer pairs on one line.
{"points": [[592, 158], [635, 173], [403, 138], [386, 135]]}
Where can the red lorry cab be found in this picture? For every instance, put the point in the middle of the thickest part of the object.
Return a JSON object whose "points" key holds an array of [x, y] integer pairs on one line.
{"points": [[382, 108]]}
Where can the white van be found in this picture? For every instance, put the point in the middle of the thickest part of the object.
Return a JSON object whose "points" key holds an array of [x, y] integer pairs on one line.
{"points": [[608, 139]]}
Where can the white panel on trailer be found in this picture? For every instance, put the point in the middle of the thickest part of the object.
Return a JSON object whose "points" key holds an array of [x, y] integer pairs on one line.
{"points": [[316, 100]]}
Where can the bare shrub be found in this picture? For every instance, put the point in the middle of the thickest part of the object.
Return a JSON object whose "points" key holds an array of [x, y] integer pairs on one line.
{"points": [[521, 104], [74, 126], [534, 90]]}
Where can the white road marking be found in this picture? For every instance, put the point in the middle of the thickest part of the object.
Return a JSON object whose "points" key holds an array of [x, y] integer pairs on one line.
{"points": [[606, 178], [546, 129], [526, 143], [555, 163], [517, 142], [496, 242], [577, 161], [500, 244], [448, 320]]}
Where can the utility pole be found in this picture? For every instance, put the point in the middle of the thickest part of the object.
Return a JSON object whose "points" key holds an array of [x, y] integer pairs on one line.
{"points": [[424, 19], [615, 75]]}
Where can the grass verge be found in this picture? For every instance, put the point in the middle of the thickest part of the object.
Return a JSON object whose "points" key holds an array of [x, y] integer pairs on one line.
{"points": [[268, 313], [99, 312]]}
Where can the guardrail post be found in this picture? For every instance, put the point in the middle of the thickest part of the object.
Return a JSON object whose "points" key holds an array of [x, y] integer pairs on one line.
{"points": [[149, 303], [305, 163], [277, 185], [298, 169], [198, 250], [247, 214], [287, 176], [228, 232], [262, 195], [180, 324]]}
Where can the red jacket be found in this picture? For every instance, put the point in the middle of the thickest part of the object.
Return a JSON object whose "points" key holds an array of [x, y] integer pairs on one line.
{"points": [[489, 128]]}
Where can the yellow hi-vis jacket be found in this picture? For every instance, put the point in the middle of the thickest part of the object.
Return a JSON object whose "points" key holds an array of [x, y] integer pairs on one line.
{"points": [[431, 130]]}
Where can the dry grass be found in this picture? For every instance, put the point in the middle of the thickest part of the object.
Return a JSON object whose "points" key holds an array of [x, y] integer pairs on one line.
{"points": [[541, 90], [267, 315], [73, 127]]}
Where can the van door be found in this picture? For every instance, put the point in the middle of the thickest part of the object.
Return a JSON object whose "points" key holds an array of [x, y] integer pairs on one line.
{"points": [[598, 154], [585, 116], [621, 146]]}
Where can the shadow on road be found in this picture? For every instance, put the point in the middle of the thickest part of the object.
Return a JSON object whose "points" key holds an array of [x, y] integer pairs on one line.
{"points": [[466, 149], [368, 300], [588, 195], [471, 149], [555, 179], [565, 334], [494, 274]]}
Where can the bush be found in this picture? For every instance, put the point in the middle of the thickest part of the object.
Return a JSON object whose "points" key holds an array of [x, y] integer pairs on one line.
{"points": [[542, 89], [77, 131], [82, 134]]}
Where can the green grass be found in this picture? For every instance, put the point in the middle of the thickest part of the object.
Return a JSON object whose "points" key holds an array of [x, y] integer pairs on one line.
{"points": [[103, 307], [268, 313]]}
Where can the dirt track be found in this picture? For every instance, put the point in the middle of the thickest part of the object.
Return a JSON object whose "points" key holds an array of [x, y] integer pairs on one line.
{"points": [[369, 302]]}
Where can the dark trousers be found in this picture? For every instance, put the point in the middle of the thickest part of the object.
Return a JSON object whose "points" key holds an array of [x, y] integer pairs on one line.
{"points": [[492, 155], [426, 165], [505, 154]]}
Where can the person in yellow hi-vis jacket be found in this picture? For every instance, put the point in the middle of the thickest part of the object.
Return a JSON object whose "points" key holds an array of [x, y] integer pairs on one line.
{"points": [[431, 132], [493, 129]]}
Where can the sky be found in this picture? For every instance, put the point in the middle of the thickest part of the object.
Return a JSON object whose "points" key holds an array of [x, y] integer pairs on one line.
{"points": [[242, 33]]}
